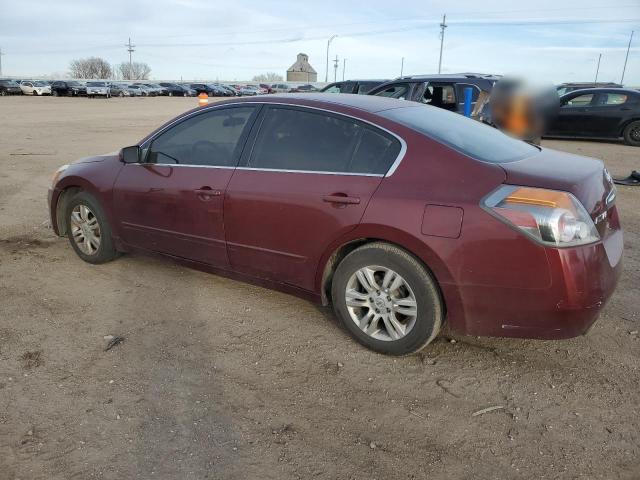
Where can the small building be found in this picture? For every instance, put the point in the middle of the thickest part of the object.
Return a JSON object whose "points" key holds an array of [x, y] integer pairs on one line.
{"points": [[302, 71]]}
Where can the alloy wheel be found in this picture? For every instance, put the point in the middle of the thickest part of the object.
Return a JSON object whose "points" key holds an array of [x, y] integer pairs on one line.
{"points": [[85, 229], [381, 303]]}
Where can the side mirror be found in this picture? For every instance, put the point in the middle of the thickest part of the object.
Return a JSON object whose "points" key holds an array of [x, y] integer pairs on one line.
{"points": [[130, 154]]}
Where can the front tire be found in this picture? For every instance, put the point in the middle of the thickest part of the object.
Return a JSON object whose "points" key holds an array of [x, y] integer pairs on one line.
{"points": [[632, 134], [88, 230], [387, 299]]}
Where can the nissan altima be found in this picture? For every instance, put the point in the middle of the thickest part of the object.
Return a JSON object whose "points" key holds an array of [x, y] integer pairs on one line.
{"points": [[404, 217]]}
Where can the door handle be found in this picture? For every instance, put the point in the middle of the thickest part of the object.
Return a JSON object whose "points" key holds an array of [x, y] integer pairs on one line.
{"points": [[341, 199], [205, 193]]}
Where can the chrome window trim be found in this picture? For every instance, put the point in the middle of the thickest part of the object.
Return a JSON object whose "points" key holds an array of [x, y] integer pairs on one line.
{"points": [[394, 166], [180, 165]]}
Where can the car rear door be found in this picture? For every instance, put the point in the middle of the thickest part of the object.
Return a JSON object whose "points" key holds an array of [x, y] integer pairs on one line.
{"points": [[172, 203], [608, 112], [306, 180]]}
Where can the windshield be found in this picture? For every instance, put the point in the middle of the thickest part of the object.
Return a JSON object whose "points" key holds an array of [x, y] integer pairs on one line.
{"points": [[467, 136], [40, 84], [96, 84]]}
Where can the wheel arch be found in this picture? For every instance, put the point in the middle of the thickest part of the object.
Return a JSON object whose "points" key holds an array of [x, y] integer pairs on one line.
{"points": [[66, 189], [626, 123], [339, 249]]}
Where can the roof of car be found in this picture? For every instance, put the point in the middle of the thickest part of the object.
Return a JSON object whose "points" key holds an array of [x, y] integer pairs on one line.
{"points": [[368, 103], [450, 76], [603, 89]]}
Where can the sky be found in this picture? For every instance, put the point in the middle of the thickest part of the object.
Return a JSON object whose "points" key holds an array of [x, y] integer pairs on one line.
{"points": [[544, 41]]}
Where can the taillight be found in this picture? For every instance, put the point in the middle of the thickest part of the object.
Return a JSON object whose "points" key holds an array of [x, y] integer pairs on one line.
{"points": [[550, 217]]}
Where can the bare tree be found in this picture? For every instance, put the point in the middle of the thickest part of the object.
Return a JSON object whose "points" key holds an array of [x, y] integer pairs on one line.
{"points": [[135, 71], [268, 77], [92, 67]]}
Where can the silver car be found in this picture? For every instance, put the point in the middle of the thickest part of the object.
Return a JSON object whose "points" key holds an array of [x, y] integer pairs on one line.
{"points": [[36, 87], [98, 89]]}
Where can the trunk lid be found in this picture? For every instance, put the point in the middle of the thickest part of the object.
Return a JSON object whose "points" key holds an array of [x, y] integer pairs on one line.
{"points": [[586, 178]]}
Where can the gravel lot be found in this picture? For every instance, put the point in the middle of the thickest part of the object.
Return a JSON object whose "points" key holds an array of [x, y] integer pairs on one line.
{"points": [[217, 379]]}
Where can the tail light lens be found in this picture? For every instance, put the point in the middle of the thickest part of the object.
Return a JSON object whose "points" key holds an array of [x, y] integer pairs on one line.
{"points": [[550, 217]]}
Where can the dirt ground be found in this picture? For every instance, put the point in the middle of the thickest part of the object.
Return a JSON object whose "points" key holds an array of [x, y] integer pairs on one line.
{"points": [[217, 379]]}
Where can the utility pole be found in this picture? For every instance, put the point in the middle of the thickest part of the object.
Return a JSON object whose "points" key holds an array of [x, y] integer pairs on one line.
{"points": [[625, 58], [344, 67], [595, 82], [335, 68], [402, 66], [443, 25], [326, 74], [130, 49], [1, 61]]}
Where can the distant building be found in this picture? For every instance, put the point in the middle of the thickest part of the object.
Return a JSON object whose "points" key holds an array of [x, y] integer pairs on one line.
{"points": [[302, 71]]}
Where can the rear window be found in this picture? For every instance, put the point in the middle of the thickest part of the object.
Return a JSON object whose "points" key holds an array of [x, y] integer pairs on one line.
{"points": [[467, 136]]}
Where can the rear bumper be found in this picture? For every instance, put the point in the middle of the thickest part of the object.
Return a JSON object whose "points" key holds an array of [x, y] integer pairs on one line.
{"points": [[582, 281]]}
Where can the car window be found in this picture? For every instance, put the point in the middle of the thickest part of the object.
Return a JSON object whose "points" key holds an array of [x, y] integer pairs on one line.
{"points": [[439, 95], [365, 87], [212, 138], [398, 91], [293, 139], [469, 137], [579, 101], [612, 99]]}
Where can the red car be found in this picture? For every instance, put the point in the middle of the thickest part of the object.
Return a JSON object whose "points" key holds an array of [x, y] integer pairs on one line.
{"points": [[401, 215]]}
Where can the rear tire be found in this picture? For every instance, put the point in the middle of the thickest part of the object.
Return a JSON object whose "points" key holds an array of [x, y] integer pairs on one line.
{"points": [[88, 230], [632, 134], [397, 315]]}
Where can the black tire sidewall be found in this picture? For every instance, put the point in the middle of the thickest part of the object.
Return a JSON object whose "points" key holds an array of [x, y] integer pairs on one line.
{"points": [[627, 134], [106, 250], [423, 286]]}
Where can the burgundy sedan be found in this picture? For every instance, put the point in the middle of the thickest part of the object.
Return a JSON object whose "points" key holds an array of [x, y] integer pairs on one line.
{"points": [[401, 215]]}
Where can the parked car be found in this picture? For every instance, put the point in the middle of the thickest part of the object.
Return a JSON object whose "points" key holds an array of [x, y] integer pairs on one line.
{"points": [[9, 87], [98, 89], [175, 90], [401, 215], [442, 91], [219, 90], [35, 87], [147, 90], [599, 113], [304, 89], [69, 88], [565, 88], [119, 90], [266, 87], [232, 91], [137, 90], [360, 87], [203, 88], [280, 88], [160, 90], [248, 90]]}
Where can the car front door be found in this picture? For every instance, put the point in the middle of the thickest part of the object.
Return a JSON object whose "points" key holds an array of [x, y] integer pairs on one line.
{"points": [[305, 182], [574, 116], [172, 202]]}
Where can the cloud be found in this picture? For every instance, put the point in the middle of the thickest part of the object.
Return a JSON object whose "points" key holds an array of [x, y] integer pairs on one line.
{"points": [[205, 39]]}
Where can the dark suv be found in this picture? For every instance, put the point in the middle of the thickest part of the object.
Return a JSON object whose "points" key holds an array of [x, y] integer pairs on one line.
{"points": [[9, 87], [444, 91], [361, 87], [69, 88]]}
